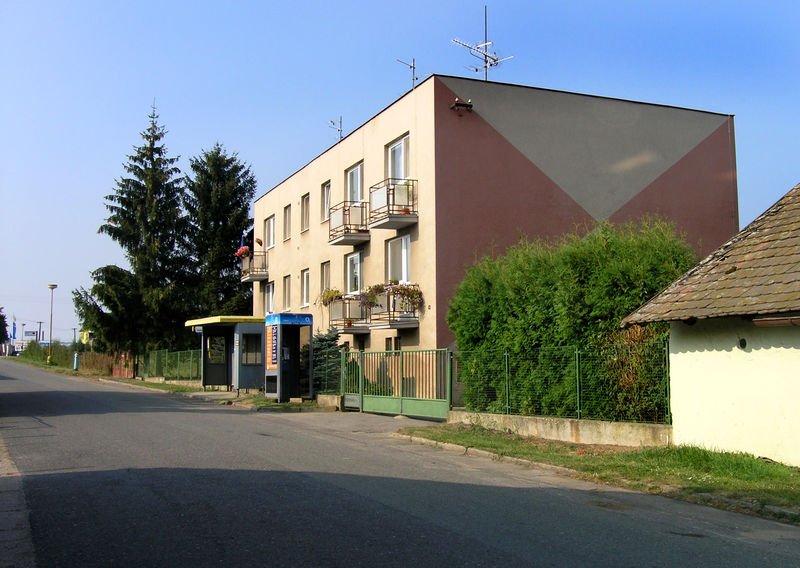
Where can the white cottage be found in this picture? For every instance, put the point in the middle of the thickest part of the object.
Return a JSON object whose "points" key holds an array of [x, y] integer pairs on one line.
{"points": [[735, 340]]}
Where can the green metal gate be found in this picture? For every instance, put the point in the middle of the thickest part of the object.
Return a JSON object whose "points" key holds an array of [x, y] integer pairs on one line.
{"points": [[414, 383]]}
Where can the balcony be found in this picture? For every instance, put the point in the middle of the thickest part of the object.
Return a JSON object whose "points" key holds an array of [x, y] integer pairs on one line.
{"points": [[393, 204], [395, 306], [348, 315], [254, 267], [348, 223]]}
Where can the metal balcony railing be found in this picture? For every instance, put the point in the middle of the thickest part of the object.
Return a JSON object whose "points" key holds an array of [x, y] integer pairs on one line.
{"points": [[397, 306], [347, 223], [255, 267], [348, 315], [393, 203]]}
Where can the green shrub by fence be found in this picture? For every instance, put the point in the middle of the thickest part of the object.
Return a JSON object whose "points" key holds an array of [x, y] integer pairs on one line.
{"points": [[171, 366], [617, 383]]}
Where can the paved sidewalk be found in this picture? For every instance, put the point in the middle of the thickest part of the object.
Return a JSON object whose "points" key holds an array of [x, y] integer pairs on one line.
{"points": [[16, 547]]}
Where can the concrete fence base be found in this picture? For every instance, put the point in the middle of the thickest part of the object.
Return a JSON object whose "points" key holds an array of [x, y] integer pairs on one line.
{"points": [[334, 400], [570, 429]]}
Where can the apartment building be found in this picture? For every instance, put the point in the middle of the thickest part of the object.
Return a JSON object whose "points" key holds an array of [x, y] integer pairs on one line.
{"points": [[373, 235]]}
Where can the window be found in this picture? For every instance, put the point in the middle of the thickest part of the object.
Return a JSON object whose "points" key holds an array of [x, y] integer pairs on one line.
{"points": [[287, 222], [251, 349], [269, 298], [269, 232], [305, 203], [287, 293], [354, 183], [324, 276], [305, 284], [398, 259], [397, 159], [325, 201], [392, 344], [353, 283]]}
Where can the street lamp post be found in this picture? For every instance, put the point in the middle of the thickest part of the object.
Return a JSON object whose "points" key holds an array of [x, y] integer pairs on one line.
{"points": [[50, 344]]}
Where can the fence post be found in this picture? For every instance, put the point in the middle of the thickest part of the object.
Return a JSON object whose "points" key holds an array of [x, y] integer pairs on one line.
{"points": [[505, 363], [449, 375], [342, 373], [361, 381], [578, 378]]}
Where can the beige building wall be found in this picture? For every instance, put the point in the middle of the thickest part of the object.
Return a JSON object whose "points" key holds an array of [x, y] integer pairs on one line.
{"points": [[736, 397], [411, 115]]}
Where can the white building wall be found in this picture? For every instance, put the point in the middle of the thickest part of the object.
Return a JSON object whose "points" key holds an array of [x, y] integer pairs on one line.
{"points": [[732, 397]]}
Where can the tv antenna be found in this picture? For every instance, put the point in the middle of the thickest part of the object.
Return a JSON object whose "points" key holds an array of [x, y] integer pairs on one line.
{"points": [[413, 68], [481, 51], [332, 124]]}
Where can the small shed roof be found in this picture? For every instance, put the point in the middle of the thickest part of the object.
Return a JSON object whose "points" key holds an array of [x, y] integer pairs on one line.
{"points": [[756, 272], [224, 319]]}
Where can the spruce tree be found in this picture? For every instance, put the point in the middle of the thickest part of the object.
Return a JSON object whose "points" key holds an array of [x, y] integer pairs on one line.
{"points": [[217, 201], [145, 218]]}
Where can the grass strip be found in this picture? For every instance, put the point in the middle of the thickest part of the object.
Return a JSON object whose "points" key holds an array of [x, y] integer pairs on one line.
{"points": [[742, 481]]}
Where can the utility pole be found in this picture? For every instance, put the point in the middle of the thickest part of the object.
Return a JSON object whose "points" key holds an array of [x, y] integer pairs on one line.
{"points": [[39, 333]]}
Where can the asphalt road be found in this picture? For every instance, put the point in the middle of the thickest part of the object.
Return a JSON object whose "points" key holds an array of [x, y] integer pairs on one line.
{"points": [[114, 476]]}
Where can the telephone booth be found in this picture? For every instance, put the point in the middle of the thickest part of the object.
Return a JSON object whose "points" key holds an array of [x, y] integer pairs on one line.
{"points": [[288, 362]]}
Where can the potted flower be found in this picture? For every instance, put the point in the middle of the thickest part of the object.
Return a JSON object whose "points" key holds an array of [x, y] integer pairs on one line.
{"points": [[410, 296], [369, 297], [329, 296], [348, 322], [259, 242], [243, 252]]}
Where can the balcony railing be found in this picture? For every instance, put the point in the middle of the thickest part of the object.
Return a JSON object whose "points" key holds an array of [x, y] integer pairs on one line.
{"points": [[347, 224], [348, 315], [254, 267], [397, 306], [393, 204]]}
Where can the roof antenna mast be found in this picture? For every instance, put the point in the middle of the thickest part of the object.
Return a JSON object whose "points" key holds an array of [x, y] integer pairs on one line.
{"points": [[332, 124], [481, 51], [413, 67]]}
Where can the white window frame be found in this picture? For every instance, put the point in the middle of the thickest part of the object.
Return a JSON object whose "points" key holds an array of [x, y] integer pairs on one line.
{"points": [[355, 177], [305, 212], [324, 276], [404, 270], [353, 277], [325, 201], [287, 222], [400, 145], [269, 232], [269, 298], [305, 285], [287, 293]]}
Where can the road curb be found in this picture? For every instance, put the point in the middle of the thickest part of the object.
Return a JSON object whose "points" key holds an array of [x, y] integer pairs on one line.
{"points": [[781, 514]]}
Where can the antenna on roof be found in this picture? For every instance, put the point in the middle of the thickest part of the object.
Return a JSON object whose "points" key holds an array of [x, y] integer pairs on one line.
{"points": [[332, 124], [413, 68], [481, 51]]}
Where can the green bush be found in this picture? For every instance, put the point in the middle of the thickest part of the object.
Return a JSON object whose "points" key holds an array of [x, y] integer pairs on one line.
{"points": [[62, 354], [539, 298]]}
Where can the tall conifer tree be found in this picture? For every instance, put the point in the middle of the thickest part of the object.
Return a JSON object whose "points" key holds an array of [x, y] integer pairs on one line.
{"points": [[217, 201], [146, 220]]}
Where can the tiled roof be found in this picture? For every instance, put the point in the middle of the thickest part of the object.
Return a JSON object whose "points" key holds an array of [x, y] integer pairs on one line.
{"points": [[756, 272]]}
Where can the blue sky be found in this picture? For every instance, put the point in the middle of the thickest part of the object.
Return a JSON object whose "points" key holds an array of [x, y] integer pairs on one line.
{"points": [[77, 80]]}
